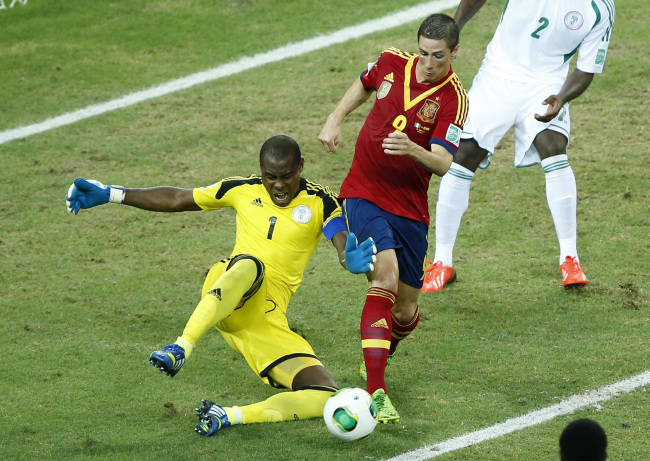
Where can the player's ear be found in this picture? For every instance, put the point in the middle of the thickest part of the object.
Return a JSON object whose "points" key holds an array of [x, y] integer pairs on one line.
{"points": [[454, 52], [301, 164]]}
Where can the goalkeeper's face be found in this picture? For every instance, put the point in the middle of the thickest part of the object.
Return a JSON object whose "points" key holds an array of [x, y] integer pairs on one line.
{"points": [[281, 178]]}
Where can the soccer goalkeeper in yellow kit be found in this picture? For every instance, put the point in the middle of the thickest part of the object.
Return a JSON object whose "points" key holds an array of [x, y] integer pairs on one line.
{"points": [[280, 219]]}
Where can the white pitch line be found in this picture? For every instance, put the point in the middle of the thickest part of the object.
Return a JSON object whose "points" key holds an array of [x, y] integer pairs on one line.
{"points": [[290, 50], [531, 419]]}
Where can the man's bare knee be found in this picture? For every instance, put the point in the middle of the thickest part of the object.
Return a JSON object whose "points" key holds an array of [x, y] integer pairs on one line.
{"points": [[550, 143], [313, 376], [469, 154]]}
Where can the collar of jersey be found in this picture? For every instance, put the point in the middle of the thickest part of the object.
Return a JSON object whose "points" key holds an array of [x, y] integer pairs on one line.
{"points": [[408, 102]]}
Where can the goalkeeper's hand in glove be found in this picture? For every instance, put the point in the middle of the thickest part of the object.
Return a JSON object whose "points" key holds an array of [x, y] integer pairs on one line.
{"points": [[360, 258], [84, 194]]}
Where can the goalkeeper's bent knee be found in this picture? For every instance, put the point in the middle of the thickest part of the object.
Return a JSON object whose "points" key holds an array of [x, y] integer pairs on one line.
{"points": [[261, 270]]}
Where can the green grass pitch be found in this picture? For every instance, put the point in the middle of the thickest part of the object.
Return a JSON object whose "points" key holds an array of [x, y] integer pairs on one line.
{"points": [[84, 300]]}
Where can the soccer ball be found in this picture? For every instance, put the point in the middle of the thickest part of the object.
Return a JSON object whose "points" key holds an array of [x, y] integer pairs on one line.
{"points": [[350, 414]]}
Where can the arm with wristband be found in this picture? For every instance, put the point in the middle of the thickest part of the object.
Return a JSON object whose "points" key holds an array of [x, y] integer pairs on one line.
{"points": [[84, 194]]}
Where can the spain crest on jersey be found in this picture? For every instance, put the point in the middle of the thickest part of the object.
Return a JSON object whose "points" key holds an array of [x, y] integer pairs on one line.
{"points": [[428, 111]]}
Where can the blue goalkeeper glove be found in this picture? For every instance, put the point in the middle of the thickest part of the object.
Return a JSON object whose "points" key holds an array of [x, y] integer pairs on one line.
{"points": [[360, 258], [84, 194]]}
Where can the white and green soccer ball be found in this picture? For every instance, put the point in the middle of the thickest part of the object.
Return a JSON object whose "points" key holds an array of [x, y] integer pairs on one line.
{"points": [[350, 414]]}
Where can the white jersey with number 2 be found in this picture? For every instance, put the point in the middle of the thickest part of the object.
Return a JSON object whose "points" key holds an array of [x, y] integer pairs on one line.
{"points": [[535, 40]]}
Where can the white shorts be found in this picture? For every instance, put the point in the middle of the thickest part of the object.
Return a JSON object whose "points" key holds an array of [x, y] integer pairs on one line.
{"points": [[496, 104]]}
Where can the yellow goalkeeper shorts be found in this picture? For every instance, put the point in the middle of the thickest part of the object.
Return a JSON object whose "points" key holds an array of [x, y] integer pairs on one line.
{"points": [[259, 331]]}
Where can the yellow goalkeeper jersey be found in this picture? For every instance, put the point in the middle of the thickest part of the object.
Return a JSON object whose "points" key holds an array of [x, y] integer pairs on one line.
{"points": [[284, 238]]}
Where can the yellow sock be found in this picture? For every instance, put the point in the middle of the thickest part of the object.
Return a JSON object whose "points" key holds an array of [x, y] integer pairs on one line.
{"points": [[234, 415], [186, 345], [287, 406], [221, 300]]}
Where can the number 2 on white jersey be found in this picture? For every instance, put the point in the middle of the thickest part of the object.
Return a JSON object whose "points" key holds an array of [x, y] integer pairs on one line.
{"points": [[544, 24]]}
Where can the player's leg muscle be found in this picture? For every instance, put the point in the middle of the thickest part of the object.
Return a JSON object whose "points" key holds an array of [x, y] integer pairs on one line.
{"points": [[386, 271], [312, 377], [406, 303], [470, 154], [550, 143]]}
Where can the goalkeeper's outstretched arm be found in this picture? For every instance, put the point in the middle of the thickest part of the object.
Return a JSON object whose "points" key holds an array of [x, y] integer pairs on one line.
{"points": [[161, 198], [84, 194]]}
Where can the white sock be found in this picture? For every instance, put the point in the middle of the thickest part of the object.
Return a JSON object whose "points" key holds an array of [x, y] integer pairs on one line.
{"points": [[453, 200], [562, 197]]}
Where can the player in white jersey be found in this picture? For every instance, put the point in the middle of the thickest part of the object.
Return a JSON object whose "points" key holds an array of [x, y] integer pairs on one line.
{"points": [[554, 32], [523, 83]]}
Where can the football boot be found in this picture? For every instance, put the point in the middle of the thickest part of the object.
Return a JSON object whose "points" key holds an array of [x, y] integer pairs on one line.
{"points": [[437, 276]]}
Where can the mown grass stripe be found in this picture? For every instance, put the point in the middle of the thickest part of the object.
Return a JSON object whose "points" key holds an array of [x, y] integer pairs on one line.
{"points": [[290, 50]]}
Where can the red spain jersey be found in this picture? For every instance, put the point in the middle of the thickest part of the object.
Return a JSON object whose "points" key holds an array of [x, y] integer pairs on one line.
{"points": [[427, 113]]}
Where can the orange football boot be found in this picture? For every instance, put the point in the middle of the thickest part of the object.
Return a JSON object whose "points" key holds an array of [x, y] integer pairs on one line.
{"points": [[437, 276], [572, 273]]}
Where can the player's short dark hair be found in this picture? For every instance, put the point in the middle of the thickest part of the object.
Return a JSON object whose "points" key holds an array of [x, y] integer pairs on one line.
{"points": [[280, 147], [583, 440], [440, 26]]}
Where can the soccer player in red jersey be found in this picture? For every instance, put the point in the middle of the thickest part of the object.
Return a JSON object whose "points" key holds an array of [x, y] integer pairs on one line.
{"points": [[411, 132]]}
